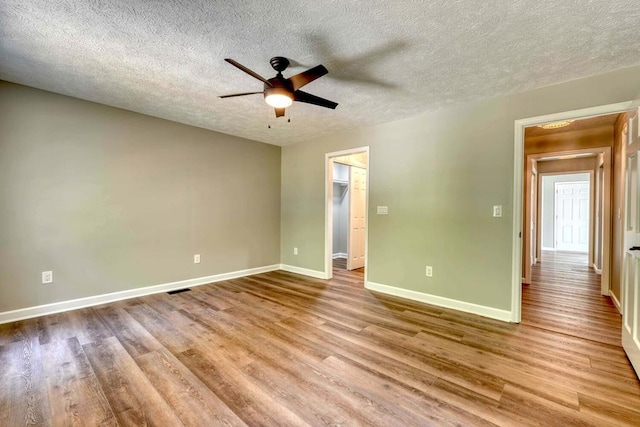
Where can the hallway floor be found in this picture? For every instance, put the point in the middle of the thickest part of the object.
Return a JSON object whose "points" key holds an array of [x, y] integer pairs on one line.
{"points": [[564, 297]]}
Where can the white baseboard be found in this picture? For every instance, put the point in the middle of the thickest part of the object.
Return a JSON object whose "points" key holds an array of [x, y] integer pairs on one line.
{"points": [[339, 255], [467, 307], [57, 307], [549, 249], [615, 302], [304, 271]]}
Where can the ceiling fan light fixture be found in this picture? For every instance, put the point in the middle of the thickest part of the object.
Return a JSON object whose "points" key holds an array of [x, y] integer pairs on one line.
{"points": [[556, 125], [278, 100], [278, 97]]}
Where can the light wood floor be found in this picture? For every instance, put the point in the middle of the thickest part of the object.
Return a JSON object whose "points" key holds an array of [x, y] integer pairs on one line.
{"points": [[282, 349]]}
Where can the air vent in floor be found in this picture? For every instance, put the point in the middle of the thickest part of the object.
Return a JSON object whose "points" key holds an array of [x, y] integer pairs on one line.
{"points": [[178, 291]]}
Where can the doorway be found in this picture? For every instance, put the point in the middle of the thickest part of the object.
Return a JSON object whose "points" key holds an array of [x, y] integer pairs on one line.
{"points": [[347, 179], [520, 161]]}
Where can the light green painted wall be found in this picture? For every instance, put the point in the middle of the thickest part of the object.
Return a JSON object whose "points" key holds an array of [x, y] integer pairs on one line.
{"points": [[112, 200], [440, 174]]}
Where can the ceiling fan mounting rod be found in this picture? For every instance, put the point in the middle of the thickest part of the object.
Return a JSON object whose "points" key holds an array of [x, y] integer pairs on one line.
{"points": [[279, 63]]}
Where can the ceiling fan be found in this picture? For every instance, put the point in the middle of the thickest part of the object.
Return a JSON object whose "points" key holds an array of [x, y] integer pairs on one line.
{"points": [[280, 92]]}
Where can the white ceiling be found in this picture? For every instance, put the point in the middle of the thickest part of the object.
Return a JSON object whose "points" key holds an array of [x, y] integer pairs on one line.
{"points": [[387, 60]]}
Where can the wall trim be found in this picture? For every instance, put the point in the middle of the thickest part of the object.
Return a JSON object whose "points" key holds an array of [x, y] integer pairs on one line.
{"points": [[339, 255], [616, 302], [596, 269], [304, 271], [57, 307], [467, 307]]}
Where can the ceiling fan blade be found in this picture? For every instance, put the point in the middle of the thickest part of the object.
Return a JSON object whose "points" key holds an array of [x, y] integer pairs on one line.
{"points": [[308, 76], [248, 71], [279, 112], [239, 94], [312, 99]]}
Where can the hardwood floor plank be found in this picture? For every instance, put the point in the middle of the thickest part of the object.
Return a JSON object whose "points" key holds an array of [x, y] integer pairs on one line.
{"points": [[88, 326], [131, 334], [610, 412], [160, 327], [131, 395], [54, 327], [232, 386], [75, 393], [191, 400], [543, 412], [24, 330], [416, 408], [23, 396]]}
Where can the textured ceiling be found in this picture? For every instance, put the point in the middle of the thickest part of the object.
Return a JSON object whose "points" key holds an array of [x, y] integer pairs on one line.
{"points": [[387, 60]]}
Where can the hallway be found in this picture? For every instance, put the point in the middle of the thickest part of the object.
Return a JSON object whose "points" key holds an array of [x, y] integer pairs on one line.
{"points": [[564, 296]]}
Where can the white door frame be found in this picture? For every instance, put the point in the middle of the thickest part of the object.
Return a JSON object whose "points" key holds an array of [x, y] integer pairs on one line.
{"points": [[328, 214], [518, 159]]}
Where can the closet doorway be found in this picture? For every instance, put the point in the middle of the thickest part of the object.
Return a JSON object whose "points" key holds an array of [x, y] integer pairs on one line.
{"points": [[346, 213]]}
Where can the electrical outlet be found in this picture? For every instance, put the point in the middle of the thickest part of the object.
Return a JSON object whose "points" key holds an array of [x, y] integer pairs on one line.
{"points": [[497, 211], [196, 259], [47, 277], [295, 251], [429, 271]]}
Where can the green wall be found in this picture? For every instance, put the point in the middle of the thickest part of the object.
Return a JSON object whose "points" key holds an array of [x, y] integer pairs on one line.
{"points": [[112, 200], [440, 174]]}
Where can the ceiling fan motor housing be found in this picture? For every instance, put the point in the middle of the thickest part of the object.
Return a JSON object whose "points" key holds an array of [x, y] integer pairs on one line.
{"points": [[278, 86]]}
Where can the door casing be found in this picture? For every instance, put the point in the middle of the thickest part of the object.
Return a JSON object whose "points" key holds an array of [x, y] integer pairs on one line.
{"points": [[328, 214], [518, 173]]}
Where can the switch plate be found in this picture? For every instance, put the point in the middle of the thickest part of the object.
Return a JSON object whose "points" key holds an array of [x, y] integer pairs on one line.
{"points": [[295, 251], [497, 211], [47, 277], [383, 210], [196, 259], [429, 271]]}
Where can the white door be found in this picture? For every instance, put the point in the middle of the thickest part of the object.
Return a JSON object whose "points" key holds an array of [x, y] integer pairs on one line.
{"points": [[357, 217], [631, 262], [572, 216]]}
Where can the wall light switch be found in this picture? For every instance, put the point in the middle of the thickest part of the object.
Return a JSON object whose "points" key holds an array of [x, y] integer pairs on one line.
{"points": [[295, 251], [196, 259], [383, 210], [497, 211]]}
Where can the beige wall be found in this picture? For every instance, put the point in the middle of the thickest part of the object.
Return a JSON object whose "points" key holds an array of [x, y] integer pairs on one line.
{"points": [[112, 200], [439, 173]]}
